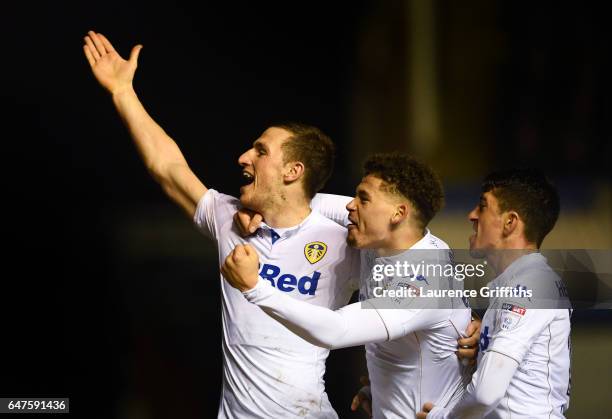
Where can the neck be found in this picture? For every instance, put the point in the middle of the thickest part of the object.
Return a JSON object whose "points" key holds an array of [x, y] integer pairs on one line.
{"points": [[500, 259], [286, 213], [400, 240]]}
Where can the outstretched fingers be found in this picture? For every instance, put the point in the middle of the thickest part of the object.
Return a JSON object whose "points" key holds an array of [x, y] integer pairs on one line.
{"points": [[106, 43], [92, 48], [90, 58], [97, 42]]}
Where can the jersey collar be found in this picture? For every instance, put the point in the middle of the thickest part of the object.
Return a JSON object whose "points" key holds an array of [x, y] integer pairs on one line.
{"points": [[517, 265], [407, 254], [277, 234], [421, 244]]}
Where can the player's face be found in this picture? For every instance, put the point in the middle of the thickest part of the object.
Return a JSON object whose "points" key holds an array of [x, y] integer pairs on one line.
{"points": [[262, 167], [370, 213], [487, 222]]}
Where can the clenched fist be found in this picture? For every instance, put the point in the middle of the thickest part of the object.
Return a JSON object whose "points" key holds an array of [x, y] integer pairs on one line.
{"points": [[240, 267]]}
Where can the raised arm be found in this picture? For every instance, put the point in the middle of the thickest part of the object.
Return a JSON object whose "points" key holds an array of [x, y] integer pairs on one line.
{"points": [[160, 154]]}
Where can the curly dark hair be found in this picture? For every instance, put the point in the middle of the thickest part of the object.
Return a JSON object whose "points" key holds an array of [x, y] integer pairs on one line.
{"points": [[528, 192], [410, 178], [309, 145]]}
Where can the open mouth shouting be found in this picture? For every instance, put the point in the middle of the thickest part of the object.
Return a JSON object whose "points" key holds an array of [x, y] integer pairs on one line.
{"points": [[247, 178]]}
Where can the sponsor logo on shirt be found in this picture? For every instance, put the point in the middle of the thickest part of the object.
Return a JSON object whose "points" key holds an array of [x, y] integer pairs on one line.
{"points": [[509, 319], [314, 251], [514, 308], [285, 282], [511, 315]]}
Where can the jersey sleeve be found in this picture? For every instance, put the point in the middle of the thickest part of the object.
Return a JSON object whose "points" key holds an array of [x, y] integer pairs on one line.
{"points": [[520, 320], [403, 321], [516, 328], [332, 207], [214, 209], [487, 388], [406, 306], [349, 326], [352, 325]]}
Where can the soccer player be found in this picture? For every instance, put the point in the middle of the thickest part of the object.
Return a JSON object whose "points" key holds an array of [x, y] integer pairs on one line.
{"points": [[268, 372], [524, 360], [410, 349]]}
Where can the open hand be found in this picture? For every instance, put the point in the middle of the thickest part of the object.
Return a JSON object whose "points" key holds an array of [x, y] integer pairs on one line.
{"points": [[113, 72]]}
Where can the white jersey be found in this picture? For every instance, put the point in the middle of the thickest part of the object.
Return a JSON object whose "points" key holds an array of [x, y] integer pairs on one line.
{"points": [[537, 338], [409, 370], [269, 372]]}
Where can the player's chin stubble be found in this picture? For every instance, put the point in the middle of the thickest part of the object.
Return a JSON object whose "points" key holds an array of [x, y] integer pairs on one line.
{"points": [[351, 240]]}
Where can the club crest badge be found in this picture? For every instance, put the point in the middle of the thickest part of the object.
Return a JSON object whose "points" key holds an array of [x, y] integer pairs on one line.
{"points": [[315, 251]]}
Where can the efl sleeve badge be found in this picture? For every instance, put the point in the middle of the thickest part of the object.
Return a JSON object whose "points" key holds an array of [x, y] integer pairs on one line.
{"points": [[315, 251]]}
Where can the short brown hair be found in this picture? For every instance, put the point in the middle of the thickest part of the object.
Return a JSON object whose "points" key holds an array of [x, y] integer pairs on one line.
{"points": [[528, 192], [410, 178], [314, 149]]}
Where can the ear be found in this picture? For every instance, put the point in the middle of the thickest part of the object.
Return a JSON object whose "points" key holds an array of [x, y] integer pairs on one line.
{"points": [[401, 213], [511, 221], [293, 171]]}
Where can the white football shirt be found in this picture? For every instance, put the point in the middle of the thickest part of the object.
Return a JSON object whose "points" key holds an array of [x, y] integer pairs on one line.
{"points": [[421, 366], [536, 335], [409, 370], [269, 372]]}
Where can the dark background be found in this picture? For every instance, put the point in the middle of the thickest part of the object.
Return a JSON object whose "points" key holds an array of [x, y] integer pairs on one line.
{"points": [[109, 295]]}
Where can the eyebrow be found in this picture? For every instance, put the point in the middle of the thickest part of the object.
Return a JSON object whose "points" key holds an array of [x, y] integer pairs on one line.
{"points": [[362, 193], [259, 145]]}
